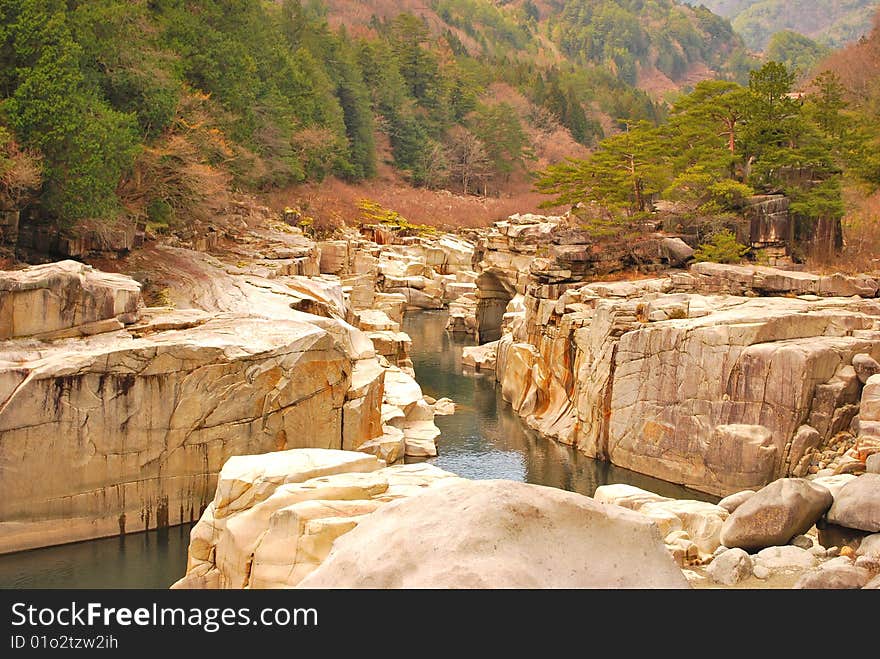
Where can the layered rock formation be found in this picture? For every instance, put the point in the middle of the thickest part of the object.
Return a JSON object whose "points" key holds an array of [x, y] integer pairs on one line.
{"points": [[125, 427], [715, 391], [318, 518], [274, 517]]}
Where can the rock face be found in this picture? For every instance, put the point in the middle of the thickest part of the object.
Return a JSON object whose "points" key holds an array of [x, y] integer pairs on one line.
{"points": [[668, 378], [137, 428], [274, 517], [499, 534], [65, 299], [137, 417], [857, 504], [775, 514]]}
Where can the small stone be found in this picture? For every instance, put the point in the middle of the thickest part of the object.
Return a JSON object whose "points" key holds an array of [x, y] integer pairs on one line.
{"points": [[842, 577], [831, 552], [785, 558], [731, 567], [847, 551], [802, 541], [840, 561], [865, 366], [761, 572], [818, 551]]}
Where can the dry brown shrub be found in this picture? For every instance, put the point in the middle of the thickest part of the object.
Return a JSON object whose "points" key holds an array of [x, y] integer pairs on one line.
{"points": [[20, 170], [186, 166]]}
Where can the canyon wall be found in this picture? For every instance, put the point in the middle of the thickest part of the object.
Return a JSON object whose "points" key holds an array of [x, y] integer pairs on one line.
{"points": [[720, 378]]}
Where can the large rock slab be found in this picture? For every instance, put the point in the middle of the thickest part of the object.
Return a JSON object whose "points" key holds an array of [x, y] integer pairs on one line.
{"points": [[775, 514], [857, 504], [275, 517], [710, 391], [113, 434], [45, 300], [499, 534]]}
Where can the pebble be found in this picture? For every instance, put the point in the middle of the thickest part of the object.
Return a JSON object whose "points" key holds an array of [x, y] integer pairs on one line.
{"points": [[761, 572], [831, 552], [847, 551], [818, 551]]}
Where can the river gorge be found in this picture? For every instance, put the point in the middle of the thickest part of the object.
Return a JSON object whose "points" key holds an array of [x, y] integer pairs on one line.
{"points": [[484, 439], [288, 405]]}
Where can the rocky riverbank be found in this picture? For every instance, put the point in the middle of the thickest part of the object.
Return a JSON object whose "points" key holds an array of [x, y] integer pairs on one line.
{"points": [[254, 350], [718, 377], [321, 518]]}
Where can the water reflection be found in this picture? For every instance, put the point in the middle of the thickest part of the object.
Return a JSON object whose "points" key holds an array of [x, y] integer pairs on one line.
{"points": [[154, 559], [486, 439]]}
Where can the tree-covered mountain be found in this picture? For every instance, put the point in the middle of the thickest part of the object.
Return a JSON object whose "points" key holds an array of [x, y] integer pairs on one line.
{"points": [[157, 109], [829, 22]]}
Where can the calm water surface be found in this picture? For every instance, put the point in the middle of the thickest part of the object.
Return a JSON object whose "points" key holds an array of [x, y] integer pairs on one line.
{"points": [[483, 439], [486, 439]]}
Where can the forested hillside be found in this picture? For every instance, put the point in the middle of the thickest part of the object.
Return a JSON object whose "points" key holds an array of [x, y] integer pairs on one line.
{"points": [[724, 142], [159, 109], [830, 22]]}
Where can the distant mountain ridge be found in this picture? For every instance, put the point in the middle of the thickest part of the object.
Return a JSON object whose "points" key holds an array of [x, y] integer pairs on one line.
{"points": [[829, 22]]}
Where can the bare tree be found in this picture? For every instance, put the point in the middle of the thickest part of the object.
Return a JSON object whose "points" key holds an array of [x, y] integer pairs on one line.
{"points": [[469, 164]]}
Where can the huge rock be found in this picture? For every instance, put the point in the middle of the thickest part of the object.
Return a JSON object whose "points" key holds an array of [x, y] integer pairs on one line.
{"points": [[137, 420], [857, 504], [775, 514], [274, 517], [709, 391], [46, 300], [499, 534], [117, 434]]}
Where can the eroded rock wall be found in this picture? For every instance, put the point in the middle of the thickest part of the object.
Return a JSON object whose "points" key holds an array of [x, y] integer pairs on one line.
{"points": [[717, 392]]}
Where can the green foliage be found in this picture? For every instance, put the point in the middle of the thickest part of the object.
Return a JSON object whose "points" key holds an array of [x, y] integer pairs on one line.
{"points": [[160, 214], [728, 195], [722, 247], [86, 144], [797, 52], [498, 127], [620, 176], [624, 35], [721, 143]]}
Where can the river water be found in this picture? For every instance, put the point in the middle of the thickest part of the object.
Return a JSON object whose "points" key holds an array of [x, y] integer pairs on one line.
{"points": [[483, 439]]}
